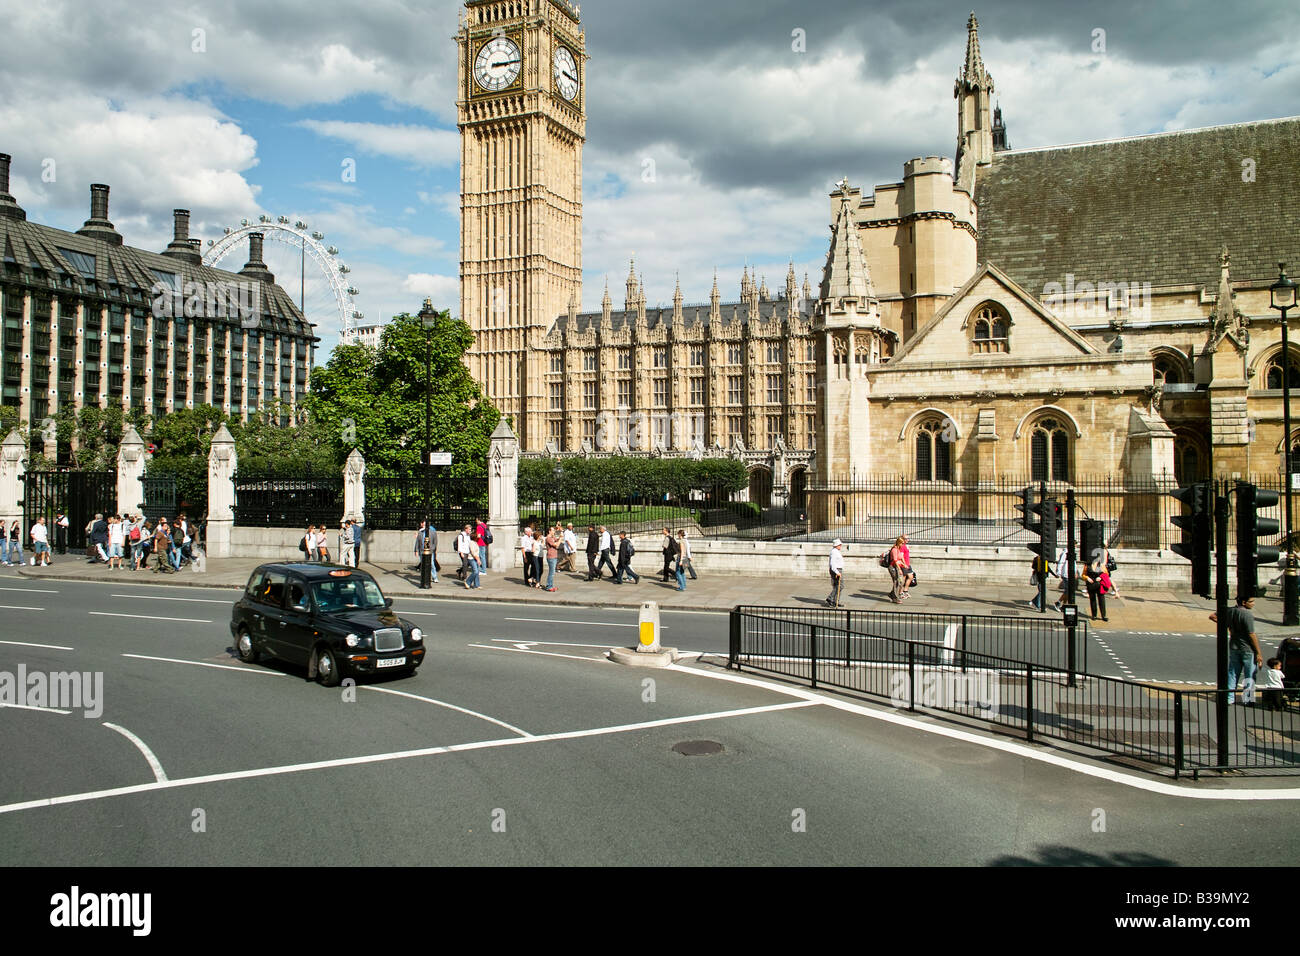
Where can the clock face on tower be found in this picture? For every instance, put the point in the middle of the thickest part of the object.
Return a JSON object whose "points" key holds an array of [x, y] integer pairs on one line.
{"points": [[498, 64], [566, 73]]}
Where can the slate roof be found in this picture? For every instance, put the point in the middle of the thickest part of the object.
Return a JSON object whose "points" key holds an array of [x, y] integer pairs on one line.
{"points": [[620, 318], [35, 250], [1155, 208]]}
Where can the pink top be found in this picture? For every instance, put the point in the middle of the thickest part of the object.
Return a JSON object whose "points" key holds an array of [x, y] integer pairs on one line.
{"points": [[898, 556]]}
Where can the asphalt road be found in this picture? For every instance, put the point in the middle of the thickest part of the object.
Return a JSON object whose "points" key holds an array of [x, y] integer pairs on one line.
{"points": [[518, 743]]}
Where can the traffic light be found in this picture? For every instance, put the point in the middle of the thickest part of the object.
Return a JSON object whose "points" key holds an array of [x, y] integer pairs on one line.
{"points": [[1049, 513], [1026, 506], [1197, 525], [1092, 538], [1250, 528]]}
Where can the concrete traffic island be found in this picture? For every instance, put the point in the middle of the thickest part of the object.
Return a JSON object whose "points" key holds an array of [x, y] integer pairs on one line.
{"points": [[648, 651]]}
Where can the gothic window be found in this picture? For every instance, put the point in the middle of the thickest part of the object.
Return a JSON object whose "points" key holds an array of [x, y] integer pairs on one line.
{"points": [[588, 394], [624, 358], [990, 330], [774, 389], [811, 351], [735, 355], [841, 508], [773, 430], [774, 351], [661, 392], [810, 384], [697, 391], [625, 393], [735, 390], [1049, 451], [1272, 377], [660, 356], [557, 362], [1167, 371], [697, 355], [1191, 456], [557, 396], [589, 430], [933, 451], [589, 361]]}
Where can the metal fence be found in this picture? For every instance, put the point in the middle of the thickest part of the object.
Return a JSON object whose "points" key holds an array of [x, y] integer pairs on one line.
{"points": [[159, 495], [273, 501], [78, 494], [401, 503], [856, 635], [1149, 724], [713, 512], [1136, 513]]}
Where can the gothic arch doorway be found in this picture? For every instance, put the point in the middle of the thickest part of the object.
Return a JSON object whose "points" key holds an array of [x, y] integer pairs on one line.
{"points": [[760, 487]]}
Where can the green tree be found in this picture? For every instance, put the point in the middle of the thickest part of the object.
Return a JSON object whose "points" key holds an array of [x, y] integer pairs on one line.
{"points": [[374, 399]]}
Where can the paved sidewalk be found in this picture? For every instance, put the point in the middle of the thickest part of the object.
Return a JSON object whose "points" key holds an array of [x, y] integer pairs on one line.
{"points": [[1158, 611]]}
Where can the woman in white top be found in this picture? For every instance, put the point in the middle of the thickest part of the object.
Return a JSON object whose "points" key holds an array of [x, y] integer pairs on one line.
{"points": [[115, 540], [321, 546], [539, 553]]}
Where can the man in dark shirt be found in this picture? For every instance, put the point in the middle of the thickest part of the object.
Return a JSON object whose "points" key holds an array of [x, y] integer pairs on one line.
{"points": [[625, 553], [1244, 656], [99, 538], [593, 549]]}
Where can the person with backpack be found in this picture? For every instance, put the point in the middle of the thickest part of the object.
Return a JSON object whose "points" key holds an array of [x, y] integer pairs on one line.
{"points": [[593, 549], [1092, 578], [625, 553], [606, 549], [667, 547], [482, 537]]}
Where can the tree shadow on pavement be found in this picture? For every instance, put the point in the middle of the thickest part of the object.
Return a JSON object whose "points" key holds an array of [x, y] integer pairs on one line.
{"points": [[1069, 856]]}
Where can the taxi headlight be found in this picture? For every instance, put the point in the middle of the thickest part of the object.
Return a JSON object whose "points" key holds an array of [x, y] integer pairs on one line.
{"points": [[352, 640], [417, 634]]}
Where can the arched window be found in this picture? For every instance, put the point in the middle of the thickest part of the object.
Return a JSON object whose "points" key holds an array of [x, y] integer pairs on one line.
{"points": [[1272, 377], [1191, 457], [933, 451], [1167, 372], [990, 330], [841, 508], [1049, 451]]}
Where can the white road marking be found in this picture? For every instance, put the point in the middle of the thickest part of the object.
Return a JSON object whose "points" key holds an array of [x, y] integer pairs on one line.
{"points": [[397, 755], [53, 647], [151, 617], [520, 650], [154, 765], [224, 667], [442, 703], [48, 710], [15, 607], [538, 620], [994, 743], [506, 640], [157, 597], [30, 590], [418, 613]]}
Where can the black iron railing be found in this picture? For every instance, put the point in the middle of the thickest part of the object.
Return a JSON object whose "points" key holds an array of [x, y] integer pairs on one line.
{"points": [[1153, 724], [78, 494], [401, 503], [273, 501]]}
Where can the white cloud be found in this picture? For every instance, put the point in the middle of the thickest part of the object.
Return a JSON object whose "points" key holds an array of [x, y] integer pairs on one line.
{"points": [[421, 145]]}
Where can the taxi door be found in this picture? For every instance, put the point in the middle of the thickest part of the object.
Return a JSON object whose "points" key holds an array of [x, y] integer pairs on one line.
{"points": [[297, 636]]}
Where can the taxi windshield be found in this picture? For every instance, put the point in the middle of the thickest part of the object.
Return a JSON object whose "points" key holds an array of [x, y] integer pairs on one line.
{"points": [[351, 593]]}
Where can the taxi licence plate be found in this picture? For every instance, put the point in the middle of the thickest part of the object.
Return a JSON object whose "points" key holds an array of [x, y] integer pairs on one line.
{"points": [[390, 662]]}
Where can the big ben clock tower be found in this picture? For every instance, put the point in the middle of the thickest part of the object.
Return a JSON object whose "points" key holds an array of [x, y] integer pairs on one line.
{"points": [[522, 119]]}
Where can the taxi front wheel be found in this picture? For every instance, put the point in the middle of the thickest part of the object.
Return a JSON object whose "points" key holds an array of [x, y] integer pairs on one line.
{"points": [[244, 648], [327, 667]]}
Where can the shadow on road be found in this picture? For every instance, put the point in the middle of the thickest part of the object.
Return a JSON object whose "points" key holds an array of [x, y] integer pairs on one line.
{"points": [[1069, 856]]}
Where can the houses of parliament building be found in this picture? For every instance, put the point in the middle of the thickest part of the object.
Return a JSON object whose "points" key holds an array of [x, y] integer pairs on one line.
{"points": [[1096, 308]]}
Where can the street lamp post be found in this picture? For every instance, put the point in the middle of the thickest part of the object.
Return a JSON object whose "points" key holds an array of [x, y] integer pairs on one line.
{"points": [[1283, 298], [428, 318]]}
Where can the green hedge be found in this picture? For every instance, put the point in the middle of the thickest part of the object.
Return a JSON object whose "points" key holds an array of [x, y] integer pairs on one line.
{"points": [[587, 480]]}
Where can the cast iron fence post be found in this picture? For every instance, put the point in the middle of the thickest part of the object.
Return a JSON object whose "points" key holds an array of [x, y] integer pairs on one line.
{"points": [[963, 643], [813, 653], [1178, 733], [911, 675], [1029, 702], [733, 648]]}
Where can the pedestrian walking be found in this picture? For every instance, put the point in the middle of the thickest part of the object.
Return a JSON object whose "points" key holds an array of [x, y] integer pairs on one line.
{"points": [[1061, 571], [553, 541], [899, 570], [526, 554], [15, 543], [482, 538], [431, 537], [666, 545], [115, 541], [322, 545], [356, 545], [606, 547], [593, 550], [472, 576], [837, 574], [570, 549], [684, 558], [4, 544], [99, 538], [465, 551], [1244, 656], [538, 551], [40, 542], [345, 542], [1091, 578], [626, 551], [162, 543]]}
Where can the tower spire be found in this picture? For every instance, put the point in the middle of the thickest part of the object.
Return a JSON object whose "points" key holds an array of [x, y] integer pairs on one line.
{"points": [[973, 74], [973, 91], [846, 280]]}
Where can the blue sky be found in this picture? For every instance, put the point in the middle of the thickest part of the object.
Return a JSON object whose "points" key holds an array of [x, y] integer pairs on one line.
{"points": [[747, 135]]}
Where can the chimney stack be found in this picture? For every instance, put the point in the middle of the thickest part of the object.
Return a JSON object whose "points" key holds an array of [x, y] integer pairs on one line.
{"points": [[255, 267], [182, 246], [98, 225], [8, 208]]}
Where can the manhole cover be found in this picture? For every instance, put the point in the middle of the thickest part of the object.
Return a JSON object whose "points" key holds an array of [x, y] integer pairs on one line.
{"points": [[698, 748]]}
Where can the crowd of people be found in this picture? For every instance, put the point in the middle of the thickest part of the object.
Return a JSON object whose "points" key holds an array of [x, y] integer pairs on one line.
{"points": [[123, 542]]}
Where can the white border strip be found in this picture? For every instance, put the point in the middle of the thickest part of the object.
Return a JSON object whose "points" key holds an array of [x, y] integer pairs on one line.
{"points": [[224, 667], [154, 765], [442, 703], [150, 617], [53, 647], [398, 755]]}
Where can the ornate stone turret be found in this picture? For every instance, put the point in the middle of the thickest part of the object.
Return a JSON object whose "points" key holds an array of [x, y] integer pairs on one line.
{"points": [[605, 304], [677, 300], [629, 300], [763, 293], [973, 91], [715, 298]]}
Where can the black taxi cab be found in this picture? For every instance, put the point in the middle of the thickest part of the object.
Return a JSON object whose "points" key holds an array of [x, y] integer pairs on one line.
{"points": [[332, 620]]}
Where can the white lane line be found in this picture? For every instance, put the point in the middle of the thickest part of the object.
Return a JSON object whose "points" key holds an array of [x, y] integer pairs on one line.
{"points": [[30, 590], [994, 743], [419, 613], [539, 620], [152, 617], [515, 640], [154, 765], [15, 607], [442, 703], [224, 667], [48, 710], [398, 755], [521, 650], [156, 597], [53, 647]]}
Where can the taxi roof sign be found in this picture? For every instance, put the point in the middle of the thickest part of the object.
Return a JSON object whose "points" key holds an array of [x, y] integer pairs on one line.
{"points": [[341, 573]]}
